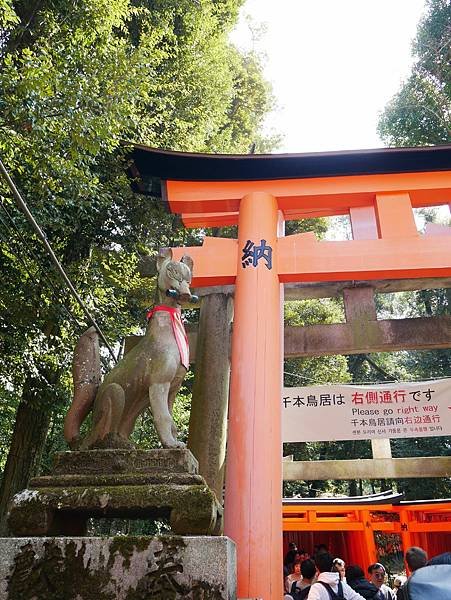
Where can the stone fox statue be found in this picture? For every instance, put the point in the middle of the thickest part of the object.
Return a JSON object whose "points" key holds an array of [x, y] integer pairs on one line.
{"points": [[150, 374]]}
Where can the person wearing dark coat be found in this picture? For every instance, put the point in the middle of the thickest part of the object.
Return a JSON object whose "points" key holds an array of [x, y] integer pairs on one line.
{"points": [[356, 579]]}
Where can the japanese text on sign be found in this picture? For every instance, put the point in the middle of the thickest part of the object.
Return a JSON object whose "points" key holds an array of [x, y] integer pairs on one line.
{"points": [[347, 412]]}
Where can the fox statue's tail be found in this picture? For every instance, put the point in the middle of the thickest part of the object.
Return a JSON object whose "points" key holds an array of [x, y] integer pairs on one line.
{"points": [[86, 376]]}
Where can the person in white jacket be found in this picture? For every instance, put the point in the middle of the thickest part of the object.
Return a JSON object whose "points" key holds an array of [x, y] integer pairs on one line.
{"points": [[326, 587]]}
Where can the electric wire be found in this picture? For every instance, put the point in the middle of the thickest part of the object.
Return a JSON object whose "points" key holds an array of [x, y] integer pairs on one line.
{"points": [[43, 268], [24, 208], [32, 277], [47, 281]]}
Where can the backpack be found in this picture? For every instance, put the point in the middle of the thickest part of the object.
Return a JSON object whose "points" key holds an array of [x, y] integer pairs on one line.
{"points": [[432, 582], [332, 594], [299, 594]]}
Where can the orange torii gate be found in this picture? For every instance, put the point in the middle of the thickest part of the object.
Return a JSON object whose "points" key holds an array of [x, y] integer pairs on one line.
{"points": [[347, 524], [377, 189]]}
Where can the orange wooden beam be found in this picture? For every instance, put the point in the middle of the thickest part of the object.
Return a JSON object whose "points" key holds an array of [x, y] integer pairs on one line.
{"points": [[342, 519], [429, 527], [293, 524], [303, 258], [199, 220], [302, 526], [336, 508], [388, 526], [215, 262], [395, 216], [426, 507], [332, 195]]}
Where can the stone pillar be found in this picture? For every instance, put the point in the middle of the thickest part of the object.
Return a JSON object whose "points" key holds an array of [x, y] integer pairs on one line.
{"points": [[253, 498], [381, 448], [208, 419], [360, 308]]}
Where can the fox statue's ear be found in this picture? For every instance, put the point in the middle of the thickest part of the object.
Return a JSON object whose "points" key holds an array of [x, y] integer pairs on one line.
{"points": [[163, 255], [188, 261]]}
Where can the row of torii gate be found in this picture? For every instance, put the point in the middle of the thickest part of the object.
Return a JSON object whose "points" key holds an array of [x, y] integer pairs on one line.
{"points": [[378, 190]]}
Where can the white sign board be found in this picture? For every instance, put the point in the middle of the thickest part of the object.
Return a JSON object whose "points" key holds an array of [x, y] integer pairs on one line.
{"points": [[352, 412]]}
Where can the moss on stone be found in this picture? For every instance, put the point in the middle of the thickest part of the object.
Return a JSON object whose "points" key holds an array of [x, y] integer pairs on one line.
{"points": [[128, 479], [161, 581], [55, 576], [66, 571], [192, 508], [126, 546]]}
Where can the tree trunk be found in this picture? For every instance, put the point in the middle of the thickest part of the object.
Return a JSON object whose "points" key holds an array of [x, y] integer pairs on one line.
{"points": [[30, 432], [352, 488]]}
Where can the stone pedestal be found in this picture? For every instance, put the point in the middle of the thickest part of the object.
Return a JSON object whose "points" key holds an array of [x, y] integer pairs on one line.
{"points": [[119, 568], [120, 484]]}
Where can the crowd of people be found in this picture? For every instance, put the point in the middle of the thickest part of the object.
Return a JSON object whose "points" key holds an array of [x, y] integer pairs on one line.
{"points": [[323, 577]]}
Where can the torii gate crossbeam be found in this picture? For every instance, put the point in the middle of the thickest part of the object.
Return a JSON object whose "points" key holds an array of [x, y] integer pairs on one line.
{"points": [[377, 189]]}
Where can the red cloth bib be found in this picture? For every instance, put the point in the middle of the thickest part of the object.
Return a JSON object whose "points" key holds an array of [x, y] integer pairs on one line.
{"points": [[178, 329]]}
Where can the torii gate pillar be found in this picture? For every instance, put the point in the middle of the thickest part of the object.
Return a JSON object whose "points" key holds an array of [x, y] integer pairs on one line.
{"points": [[254, 447]]}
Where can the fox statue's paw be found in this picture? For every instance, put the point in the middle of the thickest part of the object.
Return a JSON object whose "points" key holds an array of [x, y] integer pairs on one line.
{"points": [[112, 441], [75, 442]]}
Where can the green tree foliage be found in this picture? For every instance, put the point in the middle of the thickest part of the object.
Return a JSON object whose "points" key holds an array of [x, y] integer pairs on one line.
{"points": [[325, 369], [420, 113], [75, 79]]}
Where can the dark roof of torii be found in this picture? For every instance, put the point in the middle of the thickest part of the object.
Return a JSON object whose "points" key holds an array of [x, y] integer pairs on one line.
{"points": [[387, 497], [151, 164]]}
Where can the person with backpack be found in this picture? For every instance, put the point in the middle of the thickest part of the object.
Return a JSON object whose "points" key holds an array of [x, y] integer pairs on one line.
{"points": [[328, 586], [300, 589]]}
